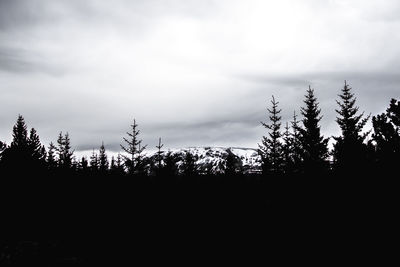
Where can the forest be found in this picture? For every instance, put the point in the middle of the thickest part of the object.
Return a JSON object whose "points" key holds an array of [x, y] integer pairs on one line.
{"points": [[85, 204]]}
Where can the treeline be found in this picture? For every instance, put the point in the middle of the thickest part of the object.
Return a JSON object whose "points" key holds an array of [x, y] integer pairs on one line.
{"points": [[301, 148], [298, 148]]}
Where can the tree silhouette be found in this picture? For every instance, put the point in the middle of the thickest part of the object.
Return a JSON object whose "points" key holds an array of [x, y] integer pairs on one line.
{"points": [[83, 166], [24, 150], [103, 160], [64, 152], [349, 150], [36, 149], [134, 149], [94, 163], [271, 147], [387, 136], [51, 157], [314, 145], [20, 134], [287, 150], [159, 155], [297, 151], [117, 166]]}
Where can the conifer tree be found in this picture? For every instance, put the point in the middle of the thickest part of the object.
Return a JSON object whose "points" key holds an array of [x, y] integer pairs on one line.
{"points": [[349, 151], [159, 155], [36, 149], [287, 150], [103, 160], [387, 136], [19, 153], [64, 151], [51, 159], [314, 145], [296, 145], [94, 162], [83, 166], [271, 147], [133, 161], [20, 134], [60, 150], [68, 152]]}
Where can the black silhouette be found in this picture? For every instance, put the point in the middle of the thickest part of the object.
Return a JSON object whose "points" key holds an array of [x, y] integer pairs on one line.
{"points": [[271, 147], [350, 152], [134, 149], [90, 212], [313, 144]]}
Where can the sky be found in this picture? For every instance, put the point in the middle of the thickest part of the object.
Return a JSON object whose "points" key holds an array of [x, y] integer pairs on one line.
{"points": [[196, 73]]}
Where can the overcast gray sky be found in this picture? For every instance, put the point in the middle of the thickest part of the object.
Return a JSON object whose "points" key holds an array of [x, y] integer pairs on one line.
{"points": [[196, 73]]}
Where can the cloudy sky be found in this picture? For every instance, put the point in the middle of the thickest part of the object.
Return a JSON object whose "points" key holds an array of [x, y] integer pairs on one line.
{"points": [[194, 72]]}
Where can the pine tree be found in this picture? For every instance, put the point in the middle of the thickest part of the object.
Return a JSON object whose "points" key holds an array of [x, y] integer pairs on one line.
{"points": [[94, 163], [36, 149], [349, 151], [159, 156], [68, 152], [103, 160], [64, 151], [134, 150], [386, 136], [271, 147], [20, 134], [83, 166], [296, 145], [287, 150], [60, 150], [314, 145], [51, 159]]}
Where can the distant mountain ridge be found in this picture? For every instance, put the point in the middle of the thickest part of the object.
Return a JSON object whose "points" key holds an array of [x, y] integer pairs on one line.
{"points": [[213, 159]]}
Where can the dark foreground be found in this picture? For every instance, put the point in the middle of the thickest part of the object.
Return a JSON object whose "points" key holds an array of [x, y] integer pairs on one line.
{"points": [[87, 222]]}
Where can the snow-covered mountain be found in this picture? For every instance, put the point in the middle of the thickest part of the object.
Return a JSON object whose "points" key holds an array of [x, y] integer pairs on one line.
{"points": [[208, 159], [213, 159]]}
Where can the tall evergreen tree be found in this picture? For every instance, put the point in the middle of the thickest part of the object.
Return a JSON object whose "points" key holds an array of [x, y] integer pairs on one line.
{"points": [[271, 147], [134, 149], [387, 136], [103, 160], [36, 149], [287, 150], [349, 151], [20, 134], [51, 157], [25, 150], [64, 151], [159, 155], [314, 145], [296, 145]]}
